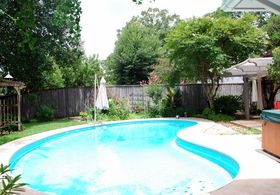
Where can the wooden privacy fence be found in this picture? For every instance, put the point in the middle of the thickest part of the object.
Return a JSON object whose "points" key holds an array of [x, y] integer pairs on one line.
{"points": [[71, 101], [193, 96], [66, 101]]}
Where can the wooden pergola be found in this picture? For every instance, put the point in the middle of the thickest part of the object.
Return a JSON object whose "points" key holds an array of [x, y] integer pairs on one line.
{"points": [[10, 112], [248, 69]]}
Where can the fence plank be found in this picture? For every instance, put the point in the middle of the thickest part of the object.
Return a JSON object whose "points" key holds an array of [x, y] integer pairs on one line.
{"points": [[71, 101]]}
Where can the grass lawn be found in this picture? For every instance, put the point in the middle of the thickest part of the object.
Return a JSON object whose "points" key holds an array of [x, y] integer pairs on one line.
{"points": [[251, 131], [38, 127]]}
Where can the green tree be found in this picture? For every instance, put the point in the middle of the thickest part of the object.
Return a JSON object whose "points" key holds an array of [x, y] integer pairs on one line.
{"points": [[54, 77], [273, 85], [33, 31], [136, 50], [158, 21], [272, 27], [202, 47], [87, 69]]}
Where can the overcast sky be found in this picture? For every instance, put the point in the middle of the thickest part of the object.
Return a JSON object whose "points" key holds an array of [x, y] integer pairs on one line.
{"points": [[102, 18]]}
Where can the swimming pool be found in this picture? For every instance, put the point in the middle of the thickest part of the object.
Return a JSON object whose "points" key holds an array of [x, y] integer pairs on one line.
{"points": [[137, 157]]}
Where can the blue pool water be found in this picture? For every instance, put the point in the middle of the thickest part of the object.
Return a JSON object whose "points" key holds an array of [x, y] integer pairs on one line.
{"points": [[126, 158]]}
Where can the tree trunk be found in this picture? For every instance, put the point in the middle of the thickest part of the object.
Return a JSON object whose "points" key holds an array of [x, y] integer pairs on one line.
{"points": [[211, 91], [270, 90]]}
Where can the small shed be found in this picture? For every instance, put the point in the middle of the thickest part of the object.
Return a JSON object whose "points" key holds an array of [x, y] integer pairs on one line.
{"points": [[10, 112], [254, 69]]}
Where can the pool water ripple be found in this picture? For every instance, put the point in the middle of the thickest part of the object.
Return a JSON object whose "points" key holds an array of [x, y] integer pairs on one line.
{"points": [[122, 158]]}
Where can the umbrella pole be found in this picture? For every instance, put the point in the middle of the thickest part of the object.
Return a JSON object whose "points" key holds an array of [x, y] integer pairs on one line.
{"points": [[94, 98]]}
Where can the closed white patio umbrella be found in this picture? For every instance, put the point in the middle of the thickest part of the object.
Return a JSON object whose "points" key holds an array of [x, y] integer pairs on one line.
{"points": [[102, 99]]}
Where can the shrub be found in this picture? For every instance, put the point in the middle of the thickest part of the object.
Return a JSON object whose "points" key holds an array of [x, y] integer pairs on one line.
{"points": [[9, 184], [227, 104], [153, 112], [117, 111], [211, 115], [46, 113], [172, 103], [220, 117], [190, 112], [84, 116], [154, 91], [206, 112]]}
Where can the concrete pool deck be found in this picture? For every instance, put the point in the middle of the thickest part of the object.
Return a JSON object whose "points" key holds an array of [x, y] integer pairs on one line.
{"points": [[259, 172]]}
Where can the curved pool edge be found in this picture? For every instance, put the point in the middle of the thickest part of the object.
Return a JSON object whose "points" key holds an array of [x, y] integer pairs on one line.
{"points": [[222, 159], [7, 150], [75, 129], [17, 145]]}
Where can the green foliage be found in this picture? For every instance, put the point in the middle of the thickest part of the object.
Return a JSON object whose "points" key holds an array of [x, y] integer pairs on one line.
{"points": [[136, 50], [8, 184], [159, 21], [84, 116], [117, 111], [202, 48], [228, 104], [274, 69], [54, 77], [86, 70], [164, 71], [273, 31], [32, 32], [153, 112], [207, 111], [172, 103], [211, 115], [272, 87], [251, 131], [34, 127], [46, 113], [154, 91]]}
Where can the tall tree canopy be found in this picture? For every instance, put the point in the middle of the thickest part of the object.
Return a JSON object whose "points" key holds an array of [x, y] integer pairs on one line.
{"points": [[136, 50], [272, 83], [202, 47], [36, 35], [139, 46], [157, 20]]}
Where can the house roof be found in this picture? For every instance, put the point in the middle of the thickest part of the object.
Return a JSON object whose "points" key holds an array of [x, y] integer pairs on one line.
{"points": [[251, 5]]}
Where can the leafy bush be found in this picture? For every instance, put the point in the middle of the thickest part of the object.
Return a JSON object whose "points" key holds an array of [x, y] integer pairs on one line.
{"points": [[220, 117], [154, 91], [172, 103], [46, 113], [206, 112], [211, 115], [9, 184], [84, 116], [117, 111], [153, 112], [190, 112], [228, 104]]}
